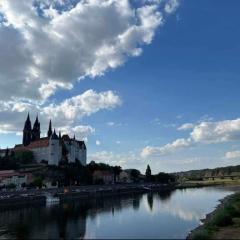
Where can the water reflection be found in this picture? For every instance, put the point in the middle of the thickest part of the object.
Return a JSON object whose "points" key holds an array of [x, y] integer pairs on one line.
{"points": [[154, 215]]}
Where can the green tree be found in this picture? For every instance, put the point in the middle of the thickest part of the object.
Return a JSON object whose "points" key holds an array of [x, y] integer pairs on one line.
{"points": [[148, 173], [135, 174], [116, 171], [25, 157]]}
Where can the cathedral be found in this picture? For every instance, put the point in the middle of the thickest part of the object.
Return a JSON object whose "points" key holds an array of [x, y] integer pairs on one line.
{"points": [[51, 148]]}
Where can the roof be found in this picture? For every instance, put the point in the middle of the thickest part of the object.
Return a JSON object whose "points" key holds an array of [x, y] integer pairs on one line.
{"points": [[65, 137], [54, 135], [42, 142], [102, 173], [9, 173], [82, 144]]}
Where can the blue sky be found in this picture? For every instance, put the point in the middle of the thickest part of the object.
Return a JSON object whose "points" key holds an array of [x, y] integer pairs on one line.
{"points": [[187, 73]]}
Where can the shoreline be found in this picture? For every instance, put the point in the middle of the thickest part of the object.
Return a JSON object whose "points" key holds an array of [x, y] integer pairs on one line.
{"points": [[214, 231], [17, 198]]}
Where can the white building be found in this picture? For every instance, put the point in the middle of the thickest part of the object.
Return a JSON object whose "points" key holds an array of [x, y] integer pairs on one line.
{"points": [[8, 177], [51, 148]]}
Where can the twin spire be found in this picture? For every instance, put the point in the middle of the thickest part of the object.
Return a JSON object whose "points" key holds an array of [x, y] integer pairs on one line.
{"points": [[32, 134]]}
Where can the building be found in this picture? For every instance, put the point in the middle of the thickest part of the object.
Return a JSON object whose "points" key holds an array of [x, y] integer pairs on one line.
{"points": [[50, 149], [11, 177], [103, 176]]}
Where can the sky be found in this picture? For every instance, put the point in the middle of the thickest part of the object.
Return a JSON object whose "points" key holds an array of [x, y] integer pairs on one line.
{"points": [[141, 81]]}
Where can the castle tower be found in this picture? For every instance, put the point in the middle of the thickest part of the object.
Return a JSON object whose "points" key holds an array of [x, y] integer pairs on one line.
{"points": [[27, 132], [55, 149], [36, 130], [50, 129]]}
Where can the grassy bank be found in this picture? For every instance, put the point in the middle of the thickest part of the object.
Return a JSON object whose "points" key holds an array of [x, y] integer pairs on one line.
{"points": [[223, 223]]}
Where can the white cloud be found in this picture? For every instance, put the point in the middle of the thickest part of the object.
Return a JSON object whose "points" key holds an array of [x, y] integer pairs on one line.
{"points": [[124, 160], [52, 43], [98, 142], [186, 126], [232, 155], [214, 132], [204, 132], [80, 131], [65, 115], [110, 123], [166, 149], [171, 6], [83, 105]]}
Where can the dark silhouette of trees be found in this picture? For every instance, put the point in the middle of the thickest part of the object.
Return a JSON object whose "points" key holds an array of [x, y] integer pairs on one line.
{"points": [[116, 171], [148, 173]]}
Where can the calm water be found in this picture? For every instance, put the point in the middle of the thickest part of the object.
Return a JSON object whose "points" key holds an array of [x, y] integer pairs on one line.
{"points": [[159, 215]]}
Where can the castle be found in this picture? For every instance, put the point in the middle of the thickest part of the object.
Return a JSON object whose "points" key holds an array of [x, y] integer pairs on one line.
{"points": [[52, 148]]}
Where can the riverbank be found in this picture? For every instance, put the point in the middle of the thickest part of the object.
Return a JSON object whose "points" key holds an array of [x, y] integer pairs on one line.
{"points": [[222, 223], [65, 194]]}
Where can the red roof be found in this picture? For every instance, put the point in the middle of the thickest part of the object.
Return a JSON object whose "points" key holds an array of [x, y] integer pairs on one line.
{"points": [[20, 148], [42, 142]]}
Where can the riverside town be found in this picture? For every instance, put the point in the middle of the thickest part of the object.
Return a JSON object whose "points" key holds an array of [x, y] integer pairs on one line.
{"points": [[119, 119]]}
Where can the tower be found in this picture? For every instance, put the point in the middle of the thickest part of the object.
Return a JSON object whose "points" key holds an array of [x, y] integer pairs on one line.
{"points": [[50, 129], [36, 130], [55, 149], [27, 132]]}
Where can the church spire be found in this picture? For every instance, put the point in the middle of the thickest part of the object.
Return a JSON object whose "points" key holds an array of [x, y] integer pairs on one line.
{"points": [[50, 129], [36, 130], [60, 135], [27, 131]]}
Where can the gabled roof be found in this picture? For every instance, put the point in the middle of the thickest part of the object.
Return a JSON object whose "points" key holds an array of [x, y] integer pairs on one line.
{"points": [[42, 142]]}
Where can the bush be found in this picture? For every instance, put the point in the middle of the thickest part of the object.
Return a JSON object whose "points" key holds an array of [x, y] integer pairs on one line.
{"points": [[201, 235], [222, 218]]}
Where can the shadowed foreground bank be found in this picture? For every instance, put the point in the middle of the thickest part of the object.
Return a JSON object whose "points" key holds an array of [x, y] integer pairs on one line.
{"points": [[223, 223]]}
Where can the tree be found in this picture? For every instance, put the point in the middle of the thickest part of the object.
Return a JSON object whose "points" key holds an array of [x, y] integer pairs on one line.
{"points": [[116, 171], [165, 178], [148, 173], [135, 174]]}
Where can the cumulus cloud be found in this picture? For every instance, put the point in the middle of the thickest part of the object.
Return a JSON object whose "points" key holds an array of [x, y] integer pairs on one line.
{"points": [[186, 126], [171, 6], [65, 115], [80, 131], [83, 105], [232, 155], [214, 132], [123, 160], [166, 149], [46, 45], [204, 132], [98, 142]]}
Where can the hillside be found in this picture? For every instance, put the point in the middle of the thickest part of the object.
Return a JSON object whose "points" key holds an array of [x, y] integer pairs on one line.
{"points": [[216, 172]]}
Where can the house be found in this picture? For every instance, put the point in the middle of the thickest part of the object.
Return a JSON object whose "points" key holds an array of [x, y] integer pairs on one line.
{"points": [[124, 177], [9, 177], [103, 176]]}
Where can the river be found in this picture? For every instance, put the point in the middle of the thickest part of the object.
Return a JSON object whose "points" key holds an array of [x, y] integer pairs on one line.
{"points": [[169, 214]]}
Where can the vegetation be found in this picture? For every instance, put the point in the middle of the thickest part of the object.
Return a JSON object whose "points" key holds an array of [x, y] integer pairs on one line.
{"points": [[220, 173], [13, 160], [165, 178], [134, 173], [148, 173], [228, 215]]}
